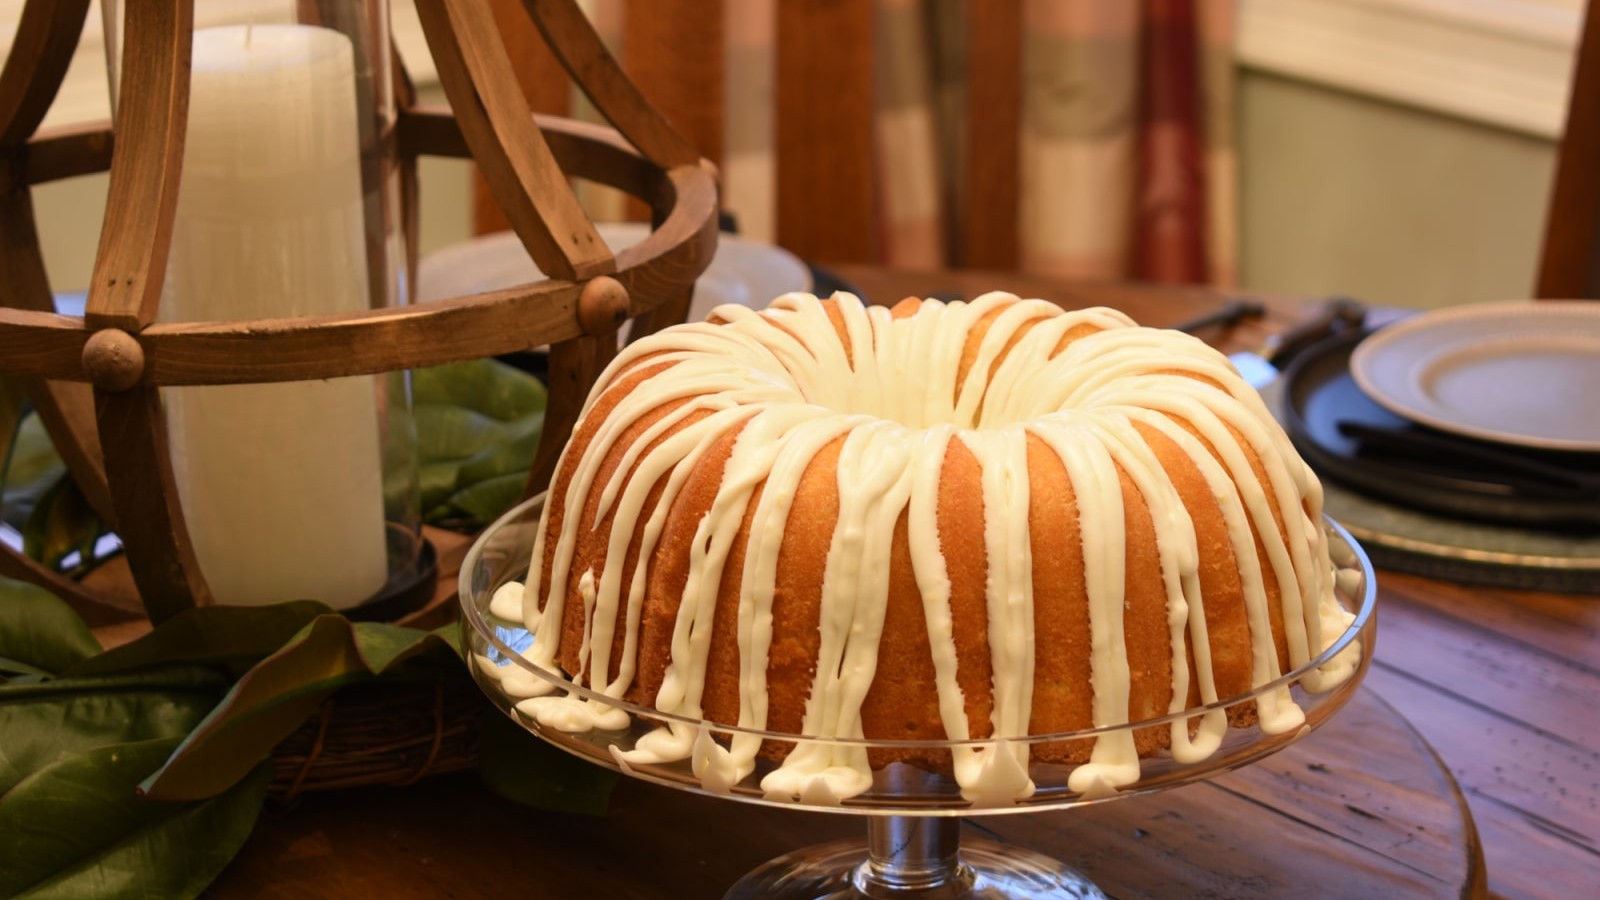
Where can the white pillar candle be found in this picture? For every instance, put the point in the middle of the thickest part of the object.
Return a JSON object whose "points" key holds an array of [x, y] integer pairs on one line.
{"points": [[281, 484]]}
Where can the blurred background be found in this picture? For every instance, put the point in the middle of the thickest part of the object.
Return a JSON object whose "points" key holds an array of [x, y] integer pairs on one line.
{"points": [[1400, 151]]}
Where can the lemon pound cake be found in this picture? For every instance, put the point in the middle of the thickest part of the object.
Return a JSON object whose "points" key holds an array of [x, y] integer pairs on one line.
{"points": [[940, 521]]}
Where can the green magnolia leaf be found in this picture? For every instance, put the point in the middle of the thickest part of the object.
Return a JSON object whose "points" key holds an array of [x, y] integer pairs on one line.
{"points": [[61, 523], [43, 720], [219, 634], [450, 634], [454, 433], [78, 828], [13, 407], [280, 693], [32, 469], [40, 631], [477, 421], [37, 495], [436, 481], [486, 385], [521, 767], [508, 457], [486, 500]]}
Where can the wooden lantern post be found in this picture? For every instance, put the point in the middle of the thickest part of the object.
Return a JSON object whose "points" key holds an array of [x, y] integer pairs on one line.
{"points": [[96, 380]]}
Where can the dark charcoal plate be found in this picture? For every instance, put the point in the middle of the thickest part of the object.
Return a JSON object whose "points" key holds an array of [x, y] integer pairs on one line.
{"points": [[1422, 468]]}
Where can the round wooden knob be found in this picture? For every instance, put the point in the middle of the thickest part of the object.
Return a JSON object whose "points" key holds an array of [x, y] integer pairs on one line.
{"points": [[602, 306], [113, 359]]}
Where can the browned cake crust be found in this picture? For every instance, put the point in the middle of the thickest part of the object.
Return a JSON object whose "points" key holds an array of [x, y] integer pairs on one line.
{"points": [[903, 702]]}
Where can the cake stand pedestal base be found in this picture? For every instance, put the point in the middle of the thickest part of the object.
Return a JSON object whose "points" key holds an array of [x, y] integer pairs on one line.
{"points": [[906, 857]]}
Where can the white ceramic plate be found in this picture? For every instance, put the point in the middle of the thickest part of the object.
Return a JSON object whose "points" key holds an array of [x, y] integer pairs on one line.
{"points": [[742, 271], [1524, 373]]}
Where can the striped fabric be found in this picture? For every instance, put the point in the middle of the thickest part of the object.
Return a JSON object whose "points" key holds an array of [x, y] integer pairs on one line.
{"points": [[1128, 161], [749, 170], [604, 203], [910, 165], [1126, 157]]}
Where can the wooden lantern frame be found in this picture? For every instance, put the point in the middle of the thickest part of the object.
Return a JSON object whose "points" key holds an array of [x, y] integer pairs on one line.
{"points": [[95, 380]]}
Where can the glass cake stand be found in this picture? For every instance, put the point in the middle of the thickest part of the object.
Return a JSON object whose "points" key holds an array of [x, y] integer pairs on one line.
{"points": [[913, 805]]}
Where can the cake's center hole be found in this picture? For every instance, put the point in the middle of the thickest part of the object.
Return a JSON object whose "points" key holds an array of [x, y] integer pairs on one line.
{"points": [[916, 399]]}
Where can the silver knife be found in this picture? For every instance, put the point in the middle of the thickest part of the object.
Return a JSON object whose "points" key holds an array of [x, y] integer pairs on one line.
{"points": [[1262, 366]]}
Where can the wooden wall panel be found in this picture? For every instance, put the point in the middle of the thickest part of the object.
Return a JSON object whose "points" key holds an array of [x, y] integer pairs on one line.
{"points": [[546, 84], [1569, 266], [824, 141], [674, 51], [987, 230]]}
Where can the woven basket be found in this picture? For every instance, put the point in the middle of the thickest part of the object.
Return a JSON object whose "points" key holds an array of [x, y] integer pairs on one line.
{"points": [[381, 734]]}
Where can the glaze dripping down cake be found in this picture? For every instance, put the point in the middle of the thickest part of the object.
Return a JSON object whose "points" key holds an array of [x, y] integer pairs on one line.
{"points": [[932, 522]]}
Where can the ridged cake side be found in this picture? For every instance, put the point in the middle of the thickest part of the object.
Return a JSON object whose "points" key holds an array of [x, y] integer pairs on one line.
{"points": [[941, 521]]}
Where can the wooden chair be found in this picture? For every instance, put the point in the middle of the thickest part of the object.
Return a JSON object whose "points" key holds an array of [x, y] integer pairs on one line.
{"points": [[1569, 265], [674, 50]]}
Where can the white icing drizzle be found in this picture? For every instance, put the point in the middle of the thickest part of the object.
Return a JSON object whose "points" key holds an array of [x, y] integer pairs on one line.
{"points": [[761, 571], [874, 487], [933, 583], [892, 389], [1008, 591]]}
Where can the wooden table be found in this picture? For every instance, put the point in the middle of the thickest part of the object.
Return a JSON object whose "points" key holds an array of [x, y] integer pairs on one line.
{"points": [[1475, 739]]}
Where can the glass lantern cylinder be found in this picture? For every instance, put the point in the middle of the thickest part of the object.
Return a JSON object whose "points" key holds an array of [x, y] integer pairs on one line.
{"points": [[289, 206]]}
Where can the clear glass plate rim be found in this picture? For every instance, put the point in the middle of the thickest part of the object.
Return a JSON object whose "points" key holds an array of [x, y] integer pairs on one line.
{"points": [[477, 623]]}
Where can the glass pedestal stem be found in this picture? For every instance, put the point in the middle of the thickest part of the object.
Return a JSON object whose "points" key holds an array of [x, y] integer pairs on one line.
{"points": [[913, 855]]}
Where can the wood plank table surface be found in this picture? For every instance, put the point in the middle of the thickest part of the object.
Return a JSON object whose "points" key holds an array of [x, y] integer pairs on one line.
{"points": [[1467, 765]]}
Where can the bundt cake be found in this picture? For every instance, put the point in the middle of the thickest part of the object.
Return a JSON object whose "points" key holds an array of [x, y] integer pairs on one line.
{"points": [[940, 521]]}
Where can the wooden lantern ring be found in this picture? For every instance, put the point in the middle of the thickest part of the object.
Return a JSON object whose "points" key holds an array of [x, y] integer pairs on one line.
{"points": [[95, 380]]}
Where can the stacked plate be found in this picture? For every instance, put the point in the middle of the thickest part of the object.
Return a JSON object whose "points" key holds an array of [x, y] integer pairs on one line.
{"points": [[746, 272], [1523, 374], [1470, 431]]}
